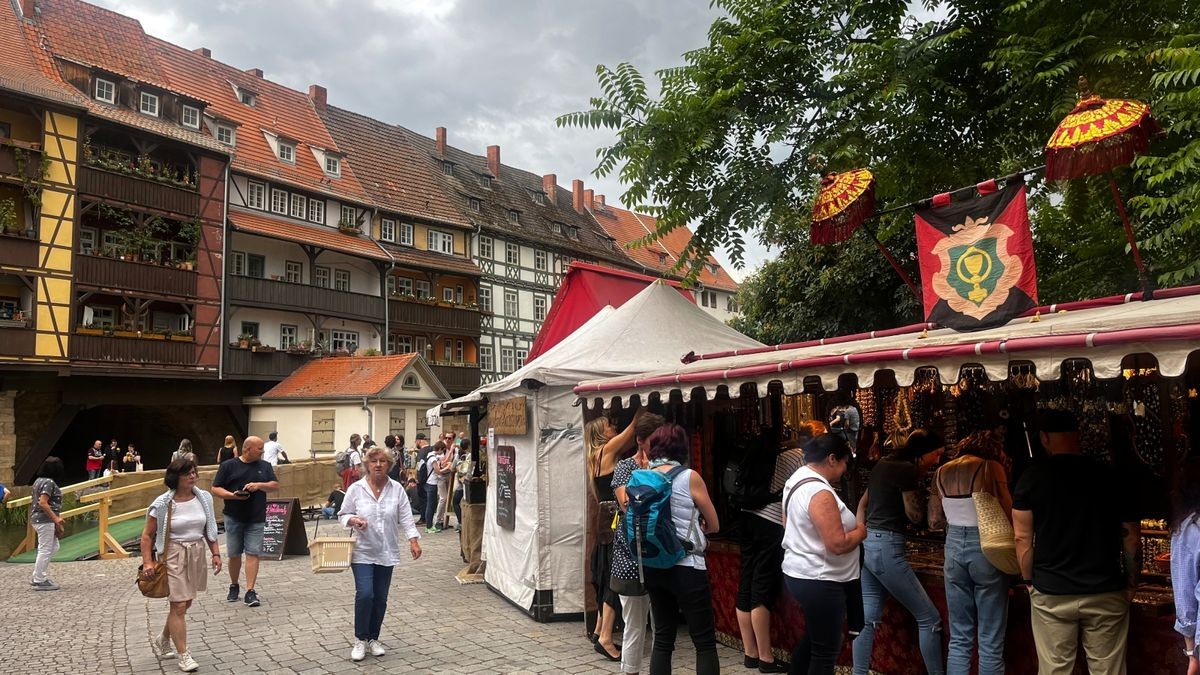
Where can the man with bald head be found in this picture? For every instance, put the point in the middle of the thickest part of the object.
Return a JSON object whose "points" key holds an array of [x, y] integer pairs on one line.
{"points": [[243, 483]]}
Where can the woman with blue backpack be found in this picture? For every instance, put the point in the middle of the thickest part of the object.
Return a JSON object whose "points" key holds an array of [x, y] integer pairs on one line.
{"points": [[670, 512]]}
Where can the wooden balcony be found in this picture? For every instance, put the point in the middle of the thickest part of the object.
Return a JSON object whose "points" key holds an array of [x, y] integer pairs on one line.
{"points": [[125, 275], [457, 380], [242, 363], [18, 251], [419, 317], [138, 192], [122, 350], [16, 341], [31, 170], [270, 294]]}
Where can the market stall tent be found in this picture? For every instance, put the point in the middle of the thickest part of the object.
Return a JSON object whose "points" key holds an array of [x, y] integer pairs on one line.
{"points": [[538, 565]]}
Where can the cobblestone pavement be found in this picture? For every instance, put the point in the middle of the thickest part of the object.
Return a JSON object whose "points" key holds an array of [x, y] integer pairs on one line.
{"points": [[98, 623]]}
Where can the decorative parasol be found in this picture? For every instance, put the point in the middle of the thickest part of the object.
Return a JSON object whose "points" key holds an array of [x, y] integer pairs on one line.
{"points": [[1098, 136], [844, 202]]}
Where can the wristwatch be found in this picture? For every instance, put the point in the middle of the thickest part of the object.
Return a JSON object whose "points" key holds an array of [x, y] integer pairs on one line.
{"points": [[1189, 652]]}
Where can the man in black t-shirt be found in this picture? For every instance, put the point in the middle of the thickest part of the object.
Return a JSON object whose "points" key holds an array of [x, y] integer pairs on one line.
{"points": [[1077, 538], [243, 483]]}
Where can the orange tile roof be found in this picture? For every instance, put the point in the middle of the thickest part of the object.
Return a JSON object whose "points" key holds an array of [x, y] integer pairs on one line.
{"points": [[253, 222], [432, 260], [346, 377], [626, 226], [20, 71], [390, 169], [278, 110]]}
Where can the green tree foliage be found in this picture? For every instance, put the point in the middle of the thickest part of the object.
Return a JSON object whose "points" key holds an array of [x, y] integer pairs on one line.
{"points": [[931, 99]]}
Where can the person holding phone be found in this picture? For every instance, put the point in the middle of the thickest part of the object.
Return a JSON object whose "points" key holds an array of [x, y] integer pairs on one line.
{"points": [[243, 483]]}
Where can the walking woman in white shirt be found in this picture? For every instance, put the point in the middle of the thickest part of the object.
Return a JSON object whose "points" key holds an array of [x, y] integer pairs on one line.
{"points": [[820, 551], [376, 508], [181, 525]]}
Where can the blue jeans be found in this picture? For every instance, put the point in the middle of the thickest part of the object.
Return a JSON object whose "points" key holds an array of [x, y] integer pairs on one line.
{"points": [[243, 537], [371, 584], [885, 572], [431, 502], [977, 597]]}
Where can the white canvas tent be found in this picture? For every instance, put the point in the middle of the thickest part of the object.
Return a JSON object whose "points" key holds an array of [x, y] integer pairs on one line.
{"points": [[538, 565]]}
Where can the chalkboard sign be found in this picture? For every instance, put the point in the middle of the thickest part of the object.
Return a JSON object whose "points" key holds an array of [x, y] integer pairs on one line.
{"points": [[506, 487], [284, 530]]}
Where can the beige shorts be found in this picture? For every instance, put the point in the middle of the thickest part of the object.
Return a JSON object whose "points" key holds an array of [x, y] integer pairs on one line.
{"points": [[187, 571]]}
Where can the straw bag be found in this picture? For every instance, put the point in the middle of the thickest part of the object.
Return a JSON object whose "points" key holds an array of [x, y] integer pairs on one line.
{"points": [[330, 554], [157, 585], [996, 538]]}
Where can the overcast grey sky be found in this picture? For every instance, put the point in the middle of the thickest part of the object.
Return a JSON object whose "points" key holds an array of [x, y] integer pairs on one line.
{"points": [[493, 72]]}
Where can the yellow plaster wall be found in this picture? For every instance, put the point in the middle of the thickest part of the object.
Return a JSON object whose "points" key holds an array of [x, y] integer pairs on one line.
{"points": [[57, 236]]}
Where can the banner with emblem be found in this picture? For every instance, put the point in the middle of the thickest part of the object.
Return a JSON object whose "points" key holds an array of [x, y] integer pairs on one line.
{"points": [[976, 255]]}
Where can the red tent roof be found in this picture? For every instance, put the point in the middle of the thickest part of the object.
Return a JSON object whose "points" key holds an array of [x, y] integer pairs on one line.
{"points": [[585, 290]]}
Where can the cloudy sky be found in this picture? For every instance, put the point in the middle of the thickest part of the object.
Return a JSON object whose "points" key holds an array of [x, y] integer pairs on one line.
{"points": [[490, 71]]}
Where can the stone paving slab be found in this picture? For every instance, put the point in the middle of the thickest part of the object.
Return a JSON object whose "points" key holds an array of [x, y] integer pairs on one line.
{"points": [[98, 623]]}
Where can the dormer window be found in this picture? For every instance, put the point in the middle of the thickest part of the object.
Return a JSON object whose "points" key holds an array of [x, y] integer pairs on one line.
{"points": [[333, 166], [225, 134], [662, 258], [106, 91], [608, 244], [287, 152], [573, 232], [556, 227], [475, 204], [189, 117], [485, 181], [148, 105], [712, 268], [448, 168], [514, 217], [247, 97], [539, 197]]}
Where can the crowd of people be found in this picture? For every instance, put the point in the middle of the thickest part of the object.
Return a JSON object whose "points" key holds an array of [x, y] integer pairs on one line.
{"points": [[106, 461]]}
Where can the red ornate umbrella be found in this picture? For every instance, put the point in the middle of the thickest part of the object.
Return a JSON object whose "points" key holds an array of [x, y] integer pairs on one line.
{"points": [[845, 200], [1098, 136]]}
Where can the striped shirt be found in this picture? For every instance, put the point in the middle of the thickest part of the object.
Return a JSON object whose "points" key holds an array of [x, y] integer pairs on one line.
{"points": [[786, 464]]}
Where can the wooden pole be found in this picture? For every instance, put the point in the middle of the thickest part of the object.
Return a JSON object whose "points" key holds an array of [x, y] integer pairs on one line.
{"points": [[1147, 287], [891, 260]]}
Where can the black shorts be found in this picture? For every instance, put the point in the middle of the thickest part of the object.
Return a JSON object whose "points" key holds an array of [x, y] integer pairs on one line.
{"points": [[762, 562]]}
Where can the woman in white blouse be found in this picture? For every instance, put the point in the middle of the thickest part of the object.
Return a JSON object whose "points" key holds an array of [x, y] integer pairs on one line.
{"points": [[376, 508], [820, 552]]}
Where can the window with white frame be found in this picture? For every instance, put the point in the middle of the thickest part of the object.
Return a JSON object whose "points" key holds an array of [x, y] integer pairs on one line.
{"points": [[299, 206], [506, 360], [404, 344], [458, 294], [485, 357], [510, 303], [421, 346], [105, 91], [485, 298], [539, 308], [321, 276], [256, 266], [87, 240], [460, 351], [247, 97], [349, 217], [406, 234], [573, 232], [442, 242], [448, 294], [189, 116], [448, 168], [387, 229], [512, 253], [148, 104], [522, 354], [423, 289], [485, 247], [256, 195], [316, 210], [341, 280], [475, 204], [288, 336], [343, 340], [279, 201], [447, 350], [539, 197], [226, 135], [485, 180], [237, 264], [287, 152], [514, 217], [249, 328], [104, 316], [333, 166], [404, 286], [556, 227], [294, 272], [539, 261]]}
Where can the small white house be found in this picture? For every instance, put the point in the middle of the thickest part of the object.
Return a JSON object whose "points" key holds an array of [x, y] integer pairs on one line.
{"points": [[318, 407]]}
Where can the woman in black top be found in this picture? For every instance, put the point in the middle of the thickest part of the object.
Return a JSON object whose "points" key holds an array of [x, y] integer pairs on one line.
{"points": [[227, 451], [130, 461], [893, 501]]}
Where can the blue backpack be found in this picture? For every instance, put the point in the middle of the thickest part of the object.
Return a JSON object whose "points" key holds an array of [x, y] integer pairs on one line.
{"points": [[649, 528]]}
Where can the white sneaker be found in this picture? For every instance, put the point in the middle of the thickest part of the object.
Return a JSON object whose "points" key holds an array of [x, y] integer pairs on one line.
{"points": [[359, 651], [376, 648], [163, 647], [186, 663]]}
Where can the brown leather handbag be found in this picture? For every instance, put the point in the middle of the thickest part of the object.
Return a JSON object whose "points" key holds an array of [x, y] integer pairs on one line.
{"points": [[157, 586]]}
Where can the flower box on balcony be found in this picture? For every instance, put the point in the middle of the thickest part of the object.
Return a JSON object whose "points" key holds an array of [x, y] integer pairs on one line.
{"points": [[152, 336], [262, 349], [89, 331], [349, 229], [181, 338], [14, 323], [126, 333]]}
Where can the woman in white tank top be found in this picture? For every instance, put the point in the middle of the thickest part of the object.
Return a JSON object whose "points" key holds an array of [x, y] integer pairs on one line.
{"points": [[976, 592]]}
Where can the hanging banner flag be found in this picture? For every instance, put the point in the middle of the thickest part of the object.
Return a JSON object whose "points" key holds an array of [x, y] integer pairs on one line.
{"points": [[977, 268]]}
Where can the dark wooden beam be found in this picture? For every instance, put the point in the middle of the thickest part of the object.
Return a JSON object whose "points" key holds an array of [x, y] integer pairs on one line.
{"points": [[27, 469]]}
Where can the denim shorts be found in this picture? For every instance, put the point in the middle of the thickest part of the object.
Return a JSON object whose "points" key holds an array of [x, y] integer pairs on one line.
{"points": [[243, 537]]}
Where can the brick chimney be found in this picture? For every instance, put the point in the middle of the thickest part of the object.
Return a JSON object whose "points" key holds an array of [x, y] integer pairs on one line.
{"points": [[550, 187], [494, 160], [257, 72], [27, 8], [441, 140], [577, 195], [600, 201], [203, 51], [589, 199], [318, 95]]}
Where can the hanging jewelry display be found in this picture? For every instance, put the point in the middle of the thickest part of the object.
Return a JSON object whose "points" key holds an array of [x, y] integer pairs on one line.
{"points": [[926, 395], [902, 424], [888, 397], [1179, 423], [1083, 395], [1143, 398], [974, 403], [865, 398]]}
